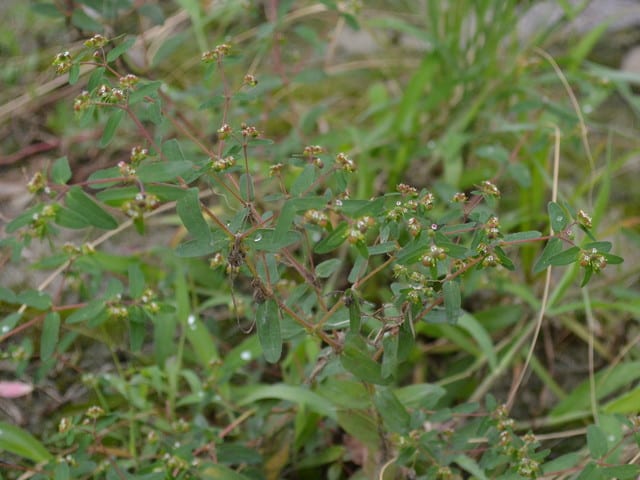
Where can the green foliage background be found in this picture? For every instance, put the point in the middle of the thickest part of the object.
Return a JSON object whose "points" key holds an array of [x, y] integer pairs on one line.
{"points": [[286, 316]]}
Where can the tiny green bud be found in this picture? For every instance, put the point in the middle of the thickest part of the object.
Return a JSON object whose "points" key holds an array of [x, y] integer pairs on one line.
{"points": [[489, 189], [250, 80], [62, 62], [94, 412], [584, 219], [97, 41]]}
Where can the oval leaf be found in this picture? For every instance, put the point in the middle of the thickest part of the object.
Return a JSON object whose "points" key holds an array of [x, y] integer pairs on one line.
{"points": [[80, 203], [355, 358], [60, 171], [394, 415], [188, 208], [597, 442], [553, 247], [333, 240], [557, 217], [570, 255], [452, 300], [268, 326], [50, 335], [20, 442], [110, 128]]}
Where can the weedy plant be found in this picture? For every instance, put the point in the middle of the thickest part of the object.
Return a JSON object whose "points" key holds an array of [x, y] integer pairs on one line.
{"points": [[278, 332]]}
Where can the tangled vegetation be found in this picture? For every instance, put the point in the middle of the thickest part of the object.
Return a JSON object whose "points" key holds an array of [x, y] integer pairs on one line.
{"points": [[288, 262]]}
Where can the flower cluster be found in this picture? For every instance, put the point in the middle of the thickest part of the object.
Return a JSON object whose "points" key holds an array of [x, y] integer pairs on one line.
{"points": [[142, 203], [216, 54], [316, 217], [592, 259], [249, 131], [62, 62], [435, 253], [82, 101], [345, 163], [97, 41], [222, 164], [110, 95]]}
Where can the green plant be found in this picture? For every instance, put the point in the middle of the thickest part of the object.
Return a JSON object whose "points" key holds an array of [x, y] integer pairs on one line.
{"points": [[337, 289]]}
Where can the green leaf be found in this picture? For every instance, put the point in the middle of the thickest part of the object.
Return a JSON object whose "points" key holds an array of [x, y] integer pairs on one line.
{"points": [[84, 206], [266, 240], [291, 393], [202, 342], [304, 180], [453, 250], [164, 171], [69, 219], [7, 296], [328, 267], [564, 462], [394, 415], [23, 219], [390, 354], [137, 328], [50, 335], [621, 472], [136, 280], [470, 465], [91, 310], [361, 425], [412, 102], [268, 326], [570, 255], [112, 125], [333, 240], [148, 89], [84, 22], [553, 247], [421, 395], [601, 247], [626, 403], [557, 217], [285, 219], [10, 321], [585, 44], [19, 442], [172, 151], [61, 471], [195, 248], [95, 79], [612, 259], [74, 73], [452, 300], [326, 455], [481, 336], [607, 382], [504, 260], [591, 471], [60, 171], [120, 49], [597, 442], [47, 10], [382, 248], [521, 236], [356, 359], [353, 302], [35, 298], [189, 211]]}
